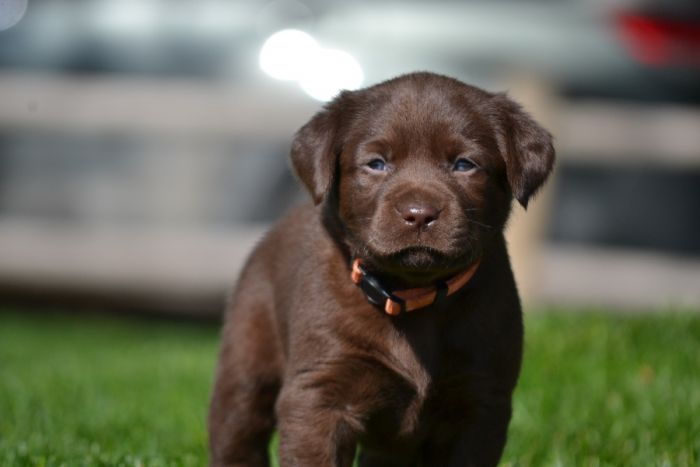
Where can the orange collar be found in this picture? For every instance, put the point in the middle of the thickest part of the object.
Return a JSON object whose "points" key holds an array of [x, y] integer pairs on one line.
{"points": [[408, 299]]}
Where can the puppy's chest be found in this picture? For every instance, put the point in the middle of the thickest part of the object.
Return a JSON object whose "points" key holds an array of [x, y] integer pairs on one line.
{"points": [[428, 385]]}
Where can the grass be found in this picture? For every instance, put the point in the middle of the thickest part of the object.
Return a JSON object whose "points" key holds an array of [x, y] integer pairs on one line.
{"points": [[77, 391], [596, 390], [601, 390]]}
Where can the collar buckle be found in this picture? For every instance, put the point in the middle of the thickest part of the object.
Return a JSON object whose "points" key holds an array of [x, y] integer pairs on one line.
{"points": [[375, 292]]}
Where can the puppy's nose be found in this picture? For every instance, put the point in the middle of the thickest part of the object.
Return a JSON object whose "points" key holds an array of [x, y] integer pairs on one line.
{"points": [[417, 214]]}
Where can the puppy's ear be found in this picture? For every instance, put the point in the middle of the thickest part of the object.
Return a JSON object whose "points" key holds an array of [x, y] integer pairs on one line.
{"points": [[526, 147], [314, 151]]}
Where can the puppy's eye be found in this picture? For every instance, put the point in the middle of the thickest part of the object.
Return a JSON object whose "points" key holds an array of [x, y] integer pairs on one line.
{"points": [[377, 164], [463, 165]]}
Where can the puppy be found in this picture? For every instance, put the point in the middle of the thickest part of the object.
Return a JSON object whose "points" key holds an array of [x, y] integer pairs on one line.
{"points": [[385, 314]]}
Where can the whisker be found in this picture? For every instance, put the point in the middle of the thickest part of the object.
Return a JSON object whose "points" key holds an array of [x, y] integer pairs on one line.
{"points": [[471, 221]]}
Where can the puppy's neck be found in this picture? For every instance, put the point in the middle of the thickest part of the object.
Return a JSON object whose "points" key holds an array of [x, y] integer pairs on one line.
{"points": [[396, 302]]}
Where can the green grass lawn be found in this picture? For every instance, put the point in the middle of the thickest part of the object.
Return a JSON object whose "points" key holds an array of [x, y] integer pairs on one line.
{"points": [[595, 390]]}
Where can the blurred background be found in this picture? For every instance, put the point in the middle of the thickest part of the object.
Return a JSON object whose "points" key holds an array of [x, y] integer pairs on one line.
{"points": [[143, 151], [143, 143]]}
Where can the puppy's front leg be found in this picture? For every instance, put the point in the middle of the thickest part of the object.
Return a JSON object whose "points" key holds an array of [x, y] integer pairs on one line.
{"points": [[481, 442], [313, 433]]}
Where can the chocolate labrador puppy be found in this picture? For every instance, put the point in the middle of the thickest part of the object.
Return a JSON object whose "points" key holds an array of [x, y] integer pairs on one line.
{"points": [[385, 314]]}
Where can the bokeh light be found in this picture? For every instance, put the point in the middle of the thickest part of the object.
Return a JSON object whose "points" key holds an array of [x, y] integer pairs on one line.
{"points": [[287, 54], [332, 71], [293, 55], [11, 12]]}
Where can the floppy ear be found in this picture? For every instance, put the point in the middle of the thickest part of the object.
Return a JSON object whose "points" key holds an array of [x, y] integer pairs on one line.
{"points": [[314, 153], [526, 147]]}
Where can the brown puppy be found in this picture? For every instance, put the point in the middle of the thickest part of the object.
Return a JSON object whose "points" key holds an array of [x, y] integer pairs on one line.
{"points": [[413, 177]]}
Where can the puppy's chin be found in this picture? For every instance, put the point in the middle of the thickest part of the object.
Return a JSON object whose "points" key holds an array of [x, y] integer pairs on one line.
{"points": [[417, 259], [418, 265]]}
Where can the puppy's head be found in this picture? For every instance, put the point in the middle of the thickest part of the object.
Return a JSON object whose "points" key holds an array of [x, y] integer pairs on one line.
{"points": [[419, 172]]}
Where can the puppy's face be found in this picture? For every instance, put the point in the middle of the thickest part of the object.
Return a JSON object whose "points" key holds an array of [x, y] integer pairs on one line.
{"points": [[420, 171], [419, 190]]}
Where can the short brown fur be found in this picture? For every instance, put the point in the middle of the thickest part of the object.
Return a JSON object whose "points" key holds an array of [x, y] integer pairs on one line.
{"points": [[304, 352]]}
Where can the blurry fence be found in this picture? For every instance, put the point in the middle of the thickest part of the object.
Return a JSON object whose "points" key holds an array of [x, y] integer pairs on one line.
{"points": [[662, 140], [214, 160], [143, 193]]}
